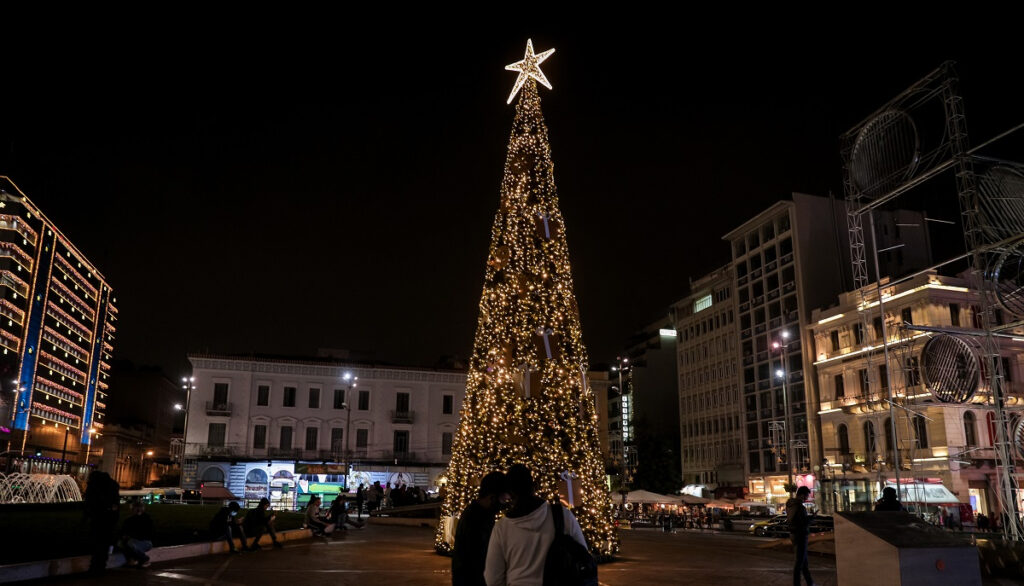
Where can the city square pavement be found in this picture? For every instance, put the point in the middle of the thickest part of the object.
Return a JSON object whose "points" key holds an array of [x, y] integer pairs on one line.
{"points": [[387, 555]]}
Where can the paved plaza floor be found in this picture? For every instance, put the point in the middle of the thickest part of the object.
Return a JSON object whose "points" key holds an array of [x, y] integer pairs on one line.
{"points": [[387, 555]]}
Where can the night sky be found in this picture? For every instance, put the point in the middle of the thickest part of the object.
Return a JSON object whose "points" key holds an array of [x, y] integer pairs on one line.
{"points": [[303, 182]]}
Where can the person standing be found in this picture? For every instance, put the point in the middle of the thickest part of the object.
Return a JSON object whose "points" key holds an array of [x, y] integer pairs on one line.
{"points": [[360, 499], [517, 552], [137, 536], [102, 509], [259, 521], [799, 525], [474, 532]]}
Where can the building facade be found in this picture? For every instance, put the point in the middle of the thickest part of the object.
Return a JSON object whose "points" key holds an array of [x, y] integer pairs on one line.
{"points": [[937, 444], [287, 429], [788, 260], [712, 453], [57, 326]]}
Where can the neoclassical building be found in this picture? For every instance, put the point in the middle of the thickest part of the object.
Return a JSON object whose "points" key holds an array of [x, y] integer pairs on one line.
{"points": [[289, 429], [945, 450]]}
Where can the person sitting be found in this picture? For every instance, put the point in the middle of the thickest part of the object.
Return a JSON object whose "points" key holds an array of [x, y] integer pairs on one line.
{"points": [[339, 515], [137, 536], [226, 524], [259, 521], [313, 520]]}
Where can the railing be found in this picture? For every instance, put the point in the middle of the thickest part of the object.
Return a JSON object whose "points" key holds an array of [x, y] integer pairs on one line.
{"points": [[285, 453], [402, 416], [215, 451], [218, 408], [402, 456]]}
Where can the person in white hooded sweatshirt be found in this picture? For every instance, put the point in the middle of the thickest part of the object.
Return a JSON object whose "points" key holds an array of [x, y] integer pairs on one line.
{"points": [[520, 540]]}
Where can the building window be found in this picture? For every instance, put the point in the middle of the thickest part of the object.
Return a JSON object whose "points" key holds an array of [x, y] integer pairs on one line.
{"points": [[339, 398], [217, 433], [883, 377], [213, 475], [263, 395], [402, 404], [921, 431], [907, 315], [446, 443], [954, 314], [870, 442], [1007, 370], [844, 439], [862, 376], [259, 437], [702, 303], [220, 394], [337, 439], [289, 397], [362, 438], [447, 404], [858, 333], [840, 386], [314, 398], [970, 430], [834, 336], [286, 437], [311, 437], [877, 325], [364, 400], [913, 371]]}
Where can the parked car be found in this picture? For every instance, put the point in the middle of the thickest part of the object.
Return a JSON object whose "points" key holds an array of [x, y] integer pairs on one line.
{"points": [[817, 524], [759, 527]]}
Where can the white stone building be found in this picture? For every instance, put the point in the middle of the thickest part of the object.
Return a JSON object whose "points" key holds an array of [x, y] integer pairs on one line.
{"points": [[291, 428], [938, 443]]}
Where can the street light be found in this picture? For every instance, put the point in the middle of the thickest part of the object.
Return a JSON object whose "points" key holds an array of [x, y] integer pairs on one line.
{"points": [[88, 447], [187, 383], [347, 406], [781, 373]]}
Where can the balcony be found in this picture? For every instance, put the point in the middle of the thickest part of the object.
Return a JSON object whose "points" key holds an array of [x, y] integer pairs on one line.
{"points": [[402, 416], [285, 453], [202, 450], [218, 409], [402, 456], [741, 280], [786, 258]]}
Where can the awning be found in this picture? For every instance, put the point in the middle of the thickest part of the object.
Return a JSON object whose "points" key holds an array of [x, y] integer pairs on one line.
{"points": [[217, 493], [720, 504], [925, 493], [693, 500], [647, 497]]}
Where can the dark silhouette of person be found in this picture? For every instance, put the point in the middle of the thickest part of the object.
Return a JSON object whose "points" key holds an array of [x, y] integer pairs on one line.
{"points": [[889, 501], [473, 532], [137, 536], [799, 528], [259, 521], [102, 510], [225, 524]]}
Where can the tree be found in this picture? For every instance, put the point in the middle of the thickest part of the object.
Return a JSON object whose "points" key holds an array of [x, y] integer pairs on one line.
{"points": [[527, 398]]}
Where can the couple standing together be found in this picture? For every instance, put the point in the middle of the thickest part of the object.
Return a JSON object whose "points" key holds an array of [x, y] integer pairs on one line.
{"points": [[512, 551]]}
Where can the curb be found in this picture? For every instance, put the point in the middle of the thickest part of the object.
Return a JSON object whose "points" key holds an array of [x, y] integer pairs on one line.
{"points": [[80, 564]]}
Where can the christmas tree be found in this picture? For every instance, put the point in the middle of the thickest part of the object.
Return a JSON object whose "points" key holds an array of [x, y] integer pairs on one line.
{"points": [[527, 398]]}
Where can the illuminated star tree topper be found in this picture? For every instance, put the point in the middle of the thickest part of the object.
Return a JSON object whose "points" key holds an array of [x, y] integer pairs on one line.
{"points": [[527, 68]]}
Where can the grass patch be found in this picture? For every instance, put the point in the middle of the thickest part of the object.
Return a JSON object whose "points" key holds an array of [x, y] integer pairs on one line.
{"points": [[42, 532]]}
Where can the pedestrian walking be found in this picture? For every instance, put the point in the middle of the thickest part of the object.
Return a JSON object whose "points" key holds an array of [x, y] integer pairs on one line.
{"points": [[473, 532], [799, 528], [137, 536], [360, 499], [102, 509], [519, 545]]}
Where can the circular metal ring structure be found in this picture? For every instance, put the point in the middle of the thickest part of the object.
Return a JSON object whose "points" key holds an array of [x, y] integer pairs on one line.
{"points": [[1001, 203], [950, 368], [1006, 277], [1018, 437], [885, 153]]}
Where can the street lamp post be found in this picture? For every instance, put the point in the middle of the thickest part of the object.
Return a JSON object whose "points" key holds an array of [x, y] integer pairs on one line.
{"points": [[784, 346], [142, 467], [347, 404], [187, 383], [88, 447]]}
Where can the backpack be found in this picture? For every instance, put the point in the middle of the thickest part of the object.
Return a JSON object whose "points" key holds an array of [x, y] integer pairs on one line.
{"points": [[568, 563]]}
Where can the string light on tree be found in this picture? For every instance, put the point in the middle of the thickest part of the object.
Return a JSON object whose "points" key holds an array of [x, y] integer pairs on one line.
{"points": [[527, 397]]}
